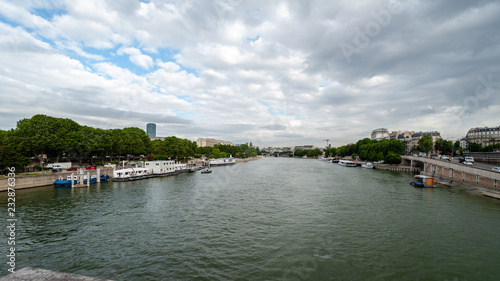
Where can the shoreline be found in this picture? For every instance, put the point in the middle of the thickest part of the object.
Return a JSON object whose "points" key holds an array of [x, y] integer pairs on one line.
{"points": [[47, 179]]}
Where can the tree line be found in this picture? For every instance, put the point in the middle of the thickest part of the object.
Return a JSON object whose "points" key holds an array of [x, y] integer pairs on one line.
{"points": [[372, 150], [54, 137]]}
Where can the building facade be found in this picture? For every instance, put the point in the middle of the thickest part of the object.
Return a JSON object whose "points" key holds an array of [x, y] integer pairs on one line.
{"points": [[151, 130], [415, 137], [304, 147], [483, 135], [380, 134], [405, 136], [203, 142]]}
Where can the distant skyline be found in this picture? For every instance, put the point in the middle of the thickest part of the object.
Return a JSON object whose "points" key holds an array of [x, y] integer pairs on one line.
{"points": [[277, 73]]}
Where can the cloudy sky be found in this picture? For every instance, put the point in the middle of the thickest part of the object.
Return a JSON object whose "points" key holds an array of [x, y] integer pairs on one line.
{"points": [[272, 72]]}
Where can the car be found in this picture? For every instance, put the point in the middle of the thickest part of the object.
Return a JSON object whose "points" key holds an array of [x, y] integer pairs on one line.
{"points": [[468, 163], [55, 170], [71, 169], [496, 169], [90, 167]]}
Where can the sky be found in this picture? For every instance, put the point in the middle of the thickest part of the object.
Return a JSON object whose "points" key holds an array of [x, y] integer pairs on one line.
{"points": [[274, 73]]}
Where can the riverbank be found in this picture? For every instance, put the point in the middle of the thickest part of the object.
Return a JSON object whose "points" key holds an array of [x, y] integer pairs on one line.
{"points": [[31, 181], [238, 160]]}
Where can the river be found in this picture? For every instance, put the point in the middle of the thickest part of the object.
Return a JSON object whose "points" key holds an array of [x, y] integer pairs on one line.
{"points": [[270, 219]]}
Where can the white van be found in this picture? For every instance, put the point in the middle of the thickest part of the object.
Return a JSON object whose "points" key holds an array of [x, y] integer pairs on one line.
{"points": [[469, 159]]}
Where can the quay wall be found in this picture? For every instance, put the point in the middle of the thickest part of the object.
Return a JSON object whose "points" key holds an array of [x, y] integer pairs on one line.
{"points": [[397, 168], [45, 179], [458, 172]]}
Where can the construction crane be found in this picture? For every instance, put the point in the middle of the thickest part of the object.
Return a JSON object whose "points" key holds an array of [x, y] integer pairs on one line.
{"points": [[327, 140]]}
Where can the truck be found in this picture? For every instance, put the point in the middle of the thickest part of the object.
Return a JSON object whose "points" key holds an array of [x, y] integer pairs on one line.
{"points": [[60, 165]]}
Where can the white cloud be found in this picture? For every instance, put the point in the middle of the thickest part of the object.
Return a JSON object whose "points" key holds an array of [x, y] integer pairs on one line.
{"points": [[241, 70], [136, 57]]}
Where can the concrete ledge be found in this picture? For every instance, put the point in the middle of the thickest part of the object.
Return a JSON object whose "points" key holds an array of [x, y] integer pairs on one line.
{"points": [[30, 274]]}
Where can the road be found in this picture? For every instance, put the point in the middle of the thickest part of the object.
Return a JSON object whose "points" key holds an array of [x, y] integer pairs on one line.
{"points": [[481, 165]]}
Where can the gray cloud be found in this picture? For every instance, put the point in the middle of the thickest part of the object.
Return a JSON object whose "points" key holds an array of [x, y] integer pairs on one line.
{"points": [[272, 71]]}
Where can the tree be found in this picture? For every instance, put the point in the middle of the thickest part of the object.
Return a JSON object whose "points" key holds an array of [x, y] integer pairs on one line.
{"points": [[444, 146], [35, 135], [425, 144], [9, 157], [330, 152], [393, 158], [215, 153]]}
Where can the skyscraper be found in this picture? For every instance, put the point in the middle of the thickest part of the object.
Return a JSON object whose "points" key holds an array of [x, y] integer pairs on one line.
{"points": [[151, 130]]}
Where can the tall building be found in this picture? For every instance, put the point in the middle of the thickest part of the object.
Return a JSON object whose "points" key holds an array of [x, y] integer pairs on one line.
{"points": [[151, 130], [380, 134], [202, 142], [483, 135]]}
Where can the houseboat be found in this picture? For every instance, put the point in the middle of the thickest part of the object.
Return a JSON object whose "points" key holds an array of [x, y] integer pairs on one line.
{"points": [[130, 174], [181, 168], [423, 181], [161, 167], [222, 161], [347, 163]]}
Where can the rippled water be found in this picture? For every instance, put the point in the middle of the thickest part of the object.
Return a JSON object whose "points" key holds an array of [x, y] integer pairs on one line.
{"points": [[271, 219]]}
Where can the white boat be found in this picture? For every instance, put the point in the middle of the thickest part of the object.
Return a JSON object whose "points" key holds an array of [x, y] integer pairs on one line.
{"points": [[161, 167], [367, 165], [131, 174], [206, 171], [222, 161], [347, 163]]}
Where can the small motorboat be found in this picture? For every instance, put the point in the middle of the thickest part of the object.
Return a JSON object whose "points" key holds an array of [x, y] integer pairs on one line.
{"points": [[367, 165], [206, 171]]}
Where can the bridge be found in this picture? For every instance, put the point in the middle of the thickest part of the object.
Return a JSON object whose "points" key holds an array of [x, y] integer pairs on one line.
{"points": [[455, 171]]}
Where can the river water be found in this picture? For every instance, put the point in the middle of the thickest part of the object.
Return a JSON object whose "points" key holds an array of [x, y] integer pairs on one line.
{"points": [[270, 219]]}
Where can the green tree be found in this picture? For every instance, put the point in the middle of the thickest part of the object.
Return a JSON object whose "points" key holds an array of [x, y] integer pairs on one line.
{"points": [[215, 153], [330, 152], [425, 144], [35, 136], [393, 158], [444, 146], [475, 147], [9, 157]]}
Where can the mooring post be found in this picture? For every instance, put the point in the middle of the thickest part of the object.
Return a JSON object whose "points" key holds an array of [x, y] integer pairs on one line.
{"points": [[72, 181], [88, 179], [98, 175]]}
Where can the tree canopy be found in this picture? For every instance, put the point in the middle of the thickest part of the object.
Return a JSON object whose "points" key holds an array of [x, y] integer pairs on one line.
{"points": [[425, 144], [372, 150]]}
